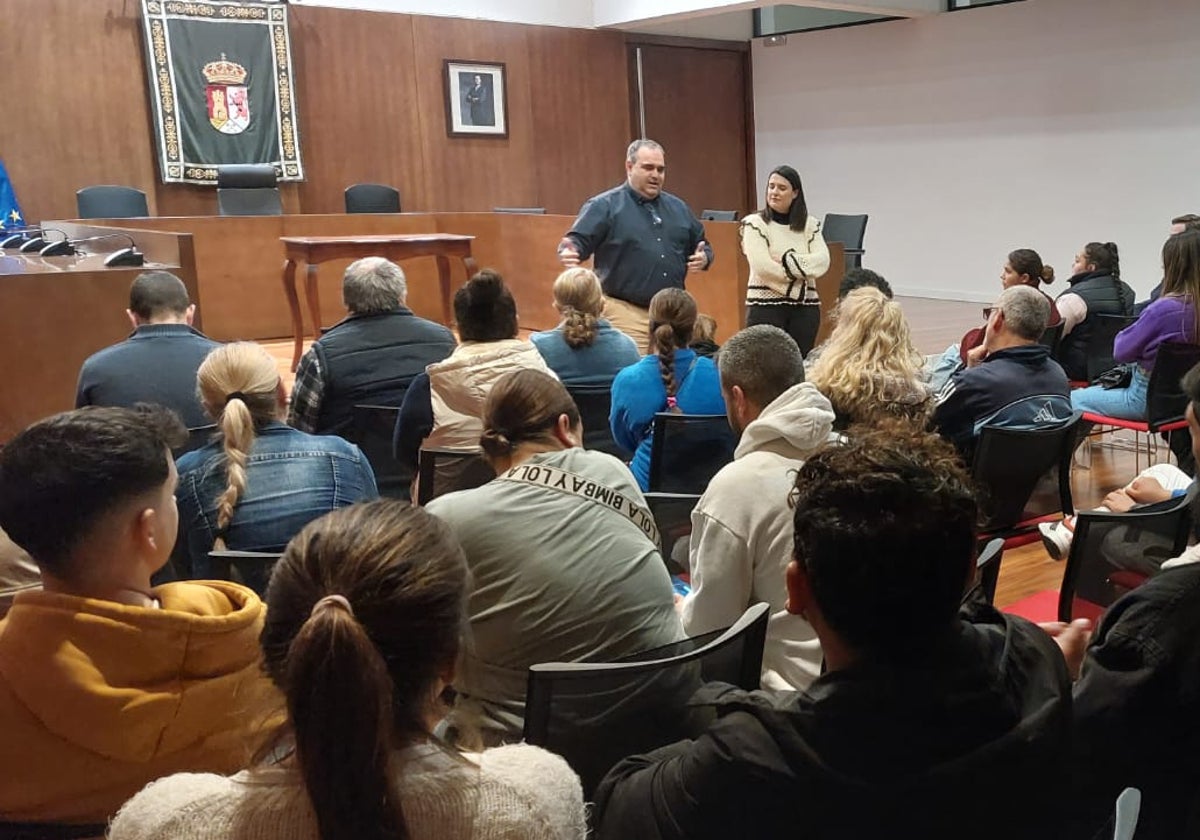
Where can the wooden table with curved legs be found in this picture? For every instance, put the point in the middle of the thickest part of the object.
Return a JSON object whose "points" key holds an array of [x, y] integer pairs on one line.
{"points": [[313, 250]]}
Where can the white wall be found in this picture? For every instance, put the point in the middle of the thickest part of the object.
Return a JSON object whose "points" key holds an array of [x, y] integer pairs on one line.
{"points": [[577, 13], [1043, 124]]}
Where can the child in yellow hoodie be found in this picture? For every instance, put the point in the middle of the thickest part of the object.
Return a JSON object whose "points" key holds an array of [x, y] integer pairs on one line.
{"points": [[105, 682]]}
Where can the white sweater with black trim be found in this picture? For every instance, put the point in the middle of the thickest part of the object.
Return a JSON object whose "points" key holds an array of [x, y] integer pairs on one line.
{"points": [[784, 264]]}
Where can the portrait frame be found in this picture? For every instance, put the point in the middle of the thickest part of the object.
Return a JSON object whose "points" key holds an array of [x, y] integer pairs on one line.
{"points": [[476, 98]]}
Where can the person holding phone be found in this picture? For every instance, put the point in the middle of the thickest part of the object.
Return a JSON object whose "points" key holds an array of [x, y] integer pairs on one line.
{"points": [[642, 238]]}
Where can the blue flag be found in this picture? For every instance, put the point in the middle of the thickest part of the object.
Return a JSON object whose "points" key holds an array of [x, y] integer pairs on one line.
{"points": [[10, 211]]}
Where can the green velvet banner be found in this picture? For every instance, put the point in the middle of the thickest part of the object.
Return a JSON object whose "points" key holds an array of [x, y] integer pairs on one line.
{"points": [[221, 87]]}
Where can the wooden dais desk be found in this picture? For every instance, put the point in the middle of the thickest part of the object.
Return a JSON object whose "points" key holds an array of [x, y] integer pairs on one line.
{"points": [[313, 250]]}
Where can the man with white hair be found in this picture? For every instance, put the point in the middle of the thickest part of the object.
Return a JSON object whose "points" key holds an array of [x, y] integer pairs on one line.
{"points": [[369, 357], [1009, 380]]}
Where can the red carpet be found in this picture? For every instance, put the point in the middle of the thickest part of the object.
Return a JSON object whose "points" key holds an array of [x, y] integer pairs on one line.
{"points": [[1040, 606]]}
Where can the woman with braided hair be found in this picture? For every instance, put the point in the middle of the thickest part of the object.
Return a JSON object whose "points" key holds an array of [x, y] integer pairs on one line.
{"points": [[584, 349], [672, 378], [259, 481]]}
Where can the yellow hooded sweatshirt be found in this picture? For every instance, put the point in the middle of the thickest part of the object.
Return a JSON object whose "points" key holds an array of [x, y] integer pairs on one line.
{"points": [[97, 698]]}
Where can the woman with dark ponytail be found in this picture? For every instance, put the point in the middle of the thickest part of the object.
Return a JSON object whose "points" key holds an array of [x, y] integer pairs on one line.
{"points": [[366, 613], [1095, 288], [672, 378]]}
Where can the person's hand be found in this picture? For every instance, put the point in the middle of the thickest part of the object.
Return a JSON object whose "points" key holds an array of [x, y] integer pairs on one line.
{"points": [[1072, 640], [1147, 491], [976, 355], [1118, 501], [567, 253], [698, 261]]}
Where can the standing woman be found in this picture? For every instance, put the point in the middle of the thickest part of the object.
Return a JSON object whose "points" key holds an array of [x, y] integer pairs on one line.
{"points": [[787, 253]]}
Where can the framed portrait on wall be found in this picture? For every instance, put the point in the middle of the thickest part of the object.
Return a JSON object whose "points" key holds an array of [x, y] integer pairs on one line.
{"points": [[476, 105]]}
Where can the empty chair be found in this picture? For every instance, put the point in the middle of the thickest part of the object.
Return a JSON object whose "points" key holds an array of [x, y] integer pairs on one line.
{"points": [[531, 211], [687, 451], [372, 198], [372, 433], [673, 515], [850, 231], [248, 189], [595, 714], [594, 403], [718, 216], [109, 201], [442, 471]]}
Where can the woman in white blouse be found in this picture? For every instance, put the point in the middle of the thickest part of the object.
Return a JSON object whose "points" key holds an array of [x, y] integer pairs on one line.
{"points": [[787, 253]]}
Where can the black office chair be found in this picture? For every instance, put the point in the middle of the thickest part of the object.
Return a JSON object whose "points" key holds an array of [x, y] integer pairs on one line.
{"points": [[108, 201], [850, 231], [442, 471], [1052, 337], [529, 211], [248, 189], [595, 403], [52, 831], [372, 433], [372, 198], [687, 450], [1112, 553], [595, 714], [718, 216], [1024, 475], [252, 568], [672, 514]]}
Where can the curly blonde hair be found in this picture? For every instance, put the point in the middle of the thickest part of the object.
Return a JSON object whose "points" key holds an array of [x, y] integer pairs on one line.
{"points": [[578, 296], [869, 368]]}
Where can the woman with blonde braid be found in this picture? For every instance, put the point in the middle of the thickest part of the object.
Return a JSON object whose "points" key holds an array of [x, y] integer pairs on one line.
{"points": [[584, 349], [260, 481], [672, 378], [869, 368]]}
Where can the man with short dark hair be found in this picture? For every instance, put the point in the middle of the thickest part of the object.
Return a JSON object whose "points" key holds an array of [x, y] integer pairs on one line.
{"points": [[742, 525], [927, 714], [368, 358], [107, 683], [856, 278], [1010, 380], [158, 363], [1188, 221]]}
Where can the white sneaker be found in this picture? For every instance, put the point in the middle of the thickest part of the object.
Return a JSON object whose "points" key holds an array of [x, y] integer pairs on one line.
{"points": [[1057, 539]]}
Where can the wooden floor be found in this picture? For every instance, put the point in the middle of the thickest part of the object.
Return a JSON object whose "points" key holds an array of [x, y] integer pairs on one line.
{"points": [[935, 325]]}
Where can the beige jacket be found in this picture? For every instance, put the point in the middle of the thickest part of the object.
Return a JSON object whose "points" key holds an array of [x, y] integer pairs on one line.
{"points": [[459, 385]]}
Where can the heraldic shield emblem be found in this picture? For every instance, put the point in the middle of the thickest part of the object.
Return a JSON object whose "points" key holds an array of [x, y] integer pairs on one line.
{"points": [[227, 96]]}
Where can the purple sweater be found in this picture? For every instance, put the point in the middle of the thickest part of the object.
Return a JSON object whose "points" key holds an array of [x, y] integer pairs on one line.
{"points": [[1166, 319]]}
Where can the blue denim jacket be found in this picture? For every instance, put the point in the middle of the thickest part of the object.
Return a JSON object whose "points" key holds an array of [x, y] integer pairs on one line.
{"points": [[291, 479]]}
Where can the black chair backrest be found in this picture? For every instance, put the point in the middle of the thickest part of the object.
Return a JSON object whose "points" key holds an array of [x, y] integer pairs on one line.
{"points": [[718, 216], [595, 403], [1052, 337], [52, 831], [372, 198], [1023, 473], [108, 201], [672, 514], [1165, 399], [595, 714], [850, 231], [247, 176], [987, 571], [529, 211], [1104, 542], [248, 189], [442, 471], [253, 567], [1100, 342], [687, 450], [372, 433], [197, 436]]}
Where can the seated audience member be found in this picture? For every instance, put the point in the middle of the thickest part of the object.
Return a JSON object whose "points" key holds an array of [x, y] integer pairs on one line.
{"points": [[365, 620], [559, 574], [856, 278], [1010, 380], [927, 716], [742, 527], [672, 378], [869, 368], [1095, 288], [1188, 221], [1135, 701], [442, 407], [259, 481], [704, 336], [105, 682], [369, 357], [1173, 317], [585, 349], [158, 363]]}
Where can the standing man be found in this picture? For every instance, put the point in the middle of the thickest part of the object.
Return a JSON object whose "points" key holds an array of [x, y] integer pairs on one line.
{"points": [[643, 240]]}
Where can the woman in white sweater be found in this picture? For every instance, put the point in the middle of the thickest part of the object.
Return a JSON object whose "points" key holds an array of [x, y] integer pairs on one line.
{"points": [[785, 249], [366, 610]]}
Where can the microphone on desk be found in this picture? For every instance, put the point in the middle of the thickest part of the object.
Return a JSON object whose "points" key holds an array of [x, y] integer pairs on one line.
{"points": [[40, 244], [130, 256], [17, 238]]}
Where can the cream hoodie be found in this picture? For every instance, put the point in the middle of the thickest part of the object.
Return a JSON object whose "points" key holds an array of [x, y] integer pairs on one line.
{"points": [[741, 538], [98, 698]]}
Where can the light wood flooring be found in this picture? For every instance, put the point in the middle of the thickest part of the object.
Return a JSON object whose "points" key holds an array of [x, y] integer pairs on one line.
{"points": [[936, 324]]}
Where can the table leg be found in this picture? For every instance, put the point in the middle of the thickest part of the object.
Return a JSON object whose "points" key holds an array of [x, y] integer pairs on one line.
{"points": [[443, 266], [314, 299], [289, 291]]}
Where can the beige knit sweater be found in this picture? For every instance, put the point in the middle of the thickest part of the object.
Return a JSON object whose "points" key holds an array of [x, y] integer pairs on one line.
{"points": [[506, 793], [784, 264]]}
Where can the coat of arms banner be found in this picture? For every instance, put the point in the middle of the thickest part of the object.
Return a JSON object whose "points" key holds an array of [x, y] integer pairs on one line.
{"points": [[221, 87]]}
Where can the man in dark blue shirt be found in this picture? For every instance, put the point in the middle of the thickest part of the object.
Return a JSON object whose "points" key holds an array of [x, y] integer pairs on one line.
{"points": [[643, 240]]}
